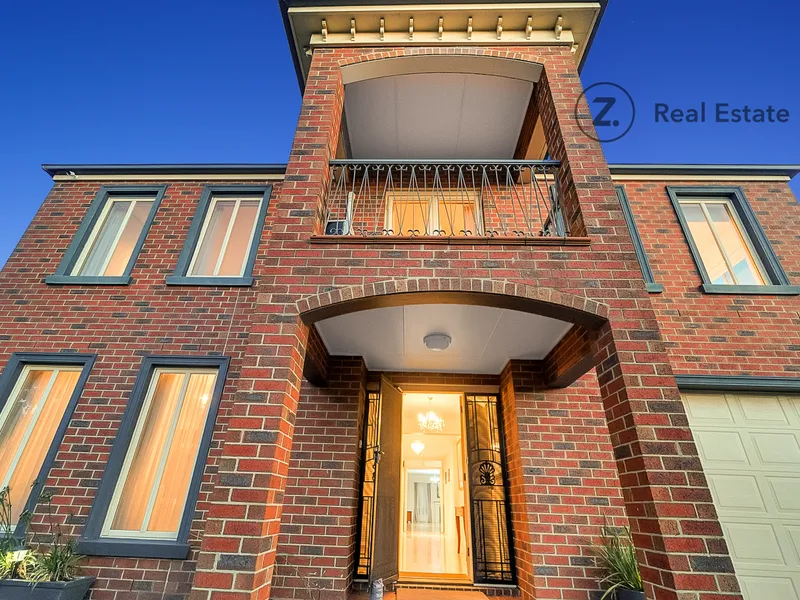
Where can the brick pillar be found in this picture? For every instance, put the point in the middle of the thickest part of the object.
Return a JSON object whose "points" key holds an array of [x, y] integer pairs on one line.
{"points": [[563, 481], [317, 547], [238, 551], [681, 548]]}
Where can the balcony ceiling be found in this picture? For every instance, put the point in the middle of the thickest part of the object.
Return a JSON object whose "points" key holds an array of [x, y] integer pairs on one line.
{"points": [[484, 339], [436, 115]]}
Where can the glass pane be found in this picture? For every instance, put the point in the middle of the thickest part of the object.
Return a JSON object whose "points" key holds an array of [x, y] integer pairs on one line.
{"points": [[211, 245], [103, 244], [410, 216], [239, 241], [457, 218], [32, 430], [706, 244], [732, 242], [127, 241], [182, 454], [147, 454]]}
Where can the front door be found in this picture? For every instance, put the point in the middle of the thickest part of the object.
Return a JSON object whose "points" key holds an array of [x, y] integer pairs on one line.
{"points": [[387, 485]]}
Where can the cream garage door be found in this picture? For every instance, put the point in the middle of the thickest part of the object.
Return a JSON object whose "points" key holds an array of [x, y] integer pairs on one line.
{"points": [[749, 445]]}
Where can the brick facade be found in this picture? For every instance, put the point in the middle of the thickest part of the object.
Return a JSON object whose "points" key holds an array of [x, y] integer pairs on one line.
{"points": [[279, 501], [721, 334], [121, 325]]}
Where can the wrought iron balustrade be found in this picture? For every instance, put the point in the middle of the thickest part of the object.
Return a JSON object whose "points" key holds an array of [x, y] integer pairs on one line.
{"points": [[513, 198]]}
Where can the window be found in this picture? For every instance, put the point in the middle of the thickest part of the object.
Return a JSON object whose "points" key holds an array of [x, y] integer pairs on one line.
{"points": [[725, 252], [38, 397], [108, 241], [638, 246], [729, 247], [223, 238], [147, 496], [428, 213]]}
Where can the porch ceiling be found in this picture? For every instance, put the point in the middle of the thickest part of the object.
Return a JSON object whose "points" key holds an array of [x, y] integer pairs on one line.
{"points": [[436, 115], [484, 339]]}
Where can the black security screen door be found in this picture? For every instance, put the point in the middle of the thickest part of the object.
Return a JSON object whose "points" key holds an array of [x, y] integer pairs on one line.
{"points": [[493, 561], [367, 514]]}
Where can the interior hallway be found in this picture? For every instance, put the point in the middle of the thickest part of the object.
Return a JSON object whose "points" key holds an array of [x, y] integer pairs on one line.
{"points": [[428, 551]]}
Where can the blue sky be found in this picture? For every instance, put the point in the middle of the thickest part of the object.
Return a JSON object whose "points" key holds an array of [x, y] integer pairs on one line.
{"points": [[177, 81]]}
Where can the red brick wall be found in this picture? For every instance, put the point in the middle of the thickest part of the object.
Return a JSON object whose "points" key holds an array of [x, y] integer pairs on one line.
{"points": [[722, 334], [317, 545], [121, 324], [563, 481]]}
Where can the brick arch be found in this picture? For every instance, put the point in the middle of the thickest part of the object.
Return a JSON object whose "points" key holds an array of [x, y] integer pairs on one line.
{"points": [[484, 292], [521, 53], [477, 63]]}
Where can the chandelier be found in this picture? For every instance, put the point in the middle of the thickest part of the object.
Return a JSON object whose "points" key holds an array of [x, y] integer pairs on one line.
{"points": [[430, 422]]}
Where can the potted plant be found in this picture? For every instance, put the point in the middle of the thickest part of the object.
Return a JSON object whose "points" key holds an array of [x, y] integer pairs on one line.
{"points": [[26, 574], [616, 555]]}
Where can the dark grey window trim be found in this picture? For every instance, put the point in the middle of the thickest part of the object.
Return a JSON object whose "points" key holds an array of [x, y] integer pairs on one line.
{"points": [[638, 246], [738, 383], [62, 275], [180, 277], [90, 542], [780, 284], [16, 362]]}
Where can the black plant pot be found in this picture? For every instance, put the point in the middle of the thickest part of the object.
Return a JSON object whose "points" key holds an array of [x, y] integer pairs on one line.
{"points": [[623, 594], [17, 589]]}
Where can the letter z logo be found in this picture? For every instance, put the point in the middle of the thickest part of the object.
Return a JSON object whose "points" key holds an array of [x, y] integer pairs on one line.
{"points": [[609, 102], [614, 110]]}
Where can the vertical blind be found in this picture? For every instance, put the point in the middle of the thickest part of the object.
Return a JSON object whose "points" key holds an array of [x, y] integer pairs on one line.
{"points": [[28, 424], [226, 238], [151, 493], [110, 245]]}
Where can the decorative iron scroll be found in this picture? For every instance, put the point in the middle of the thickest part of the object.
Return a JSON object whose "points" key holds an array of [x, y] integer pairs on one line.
{"points": [[493, 560], [369, 445], [449, 199]]}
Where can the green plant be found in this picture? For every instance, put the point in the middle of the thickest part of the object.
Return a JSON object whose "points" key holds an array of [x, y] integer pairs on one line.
{"points": [[616, 555], [15, 558], [60, 562]]}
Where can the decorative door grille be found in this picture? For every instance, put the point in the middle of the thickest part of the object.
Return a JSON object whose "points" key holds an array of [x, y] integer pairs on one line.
{"points": [[493, 560], [370, 441]]}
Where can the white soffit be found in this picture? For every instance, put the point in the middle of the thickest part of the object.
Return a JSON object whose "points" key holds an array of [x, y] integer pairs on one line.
{"points": [[484, 338], [436, 115]]}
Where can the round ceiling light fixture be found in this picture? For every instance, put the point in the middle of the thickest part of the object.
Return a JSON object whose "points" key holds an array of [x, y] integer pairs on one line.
{"points": [[436, 342], [417, 446]]}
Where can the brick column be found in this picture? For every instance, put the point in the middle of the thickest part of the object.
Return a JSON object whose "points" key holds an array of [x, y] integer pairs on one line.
{"points": [[317, 547], [681, 548], [238, 551], [563, 481]]}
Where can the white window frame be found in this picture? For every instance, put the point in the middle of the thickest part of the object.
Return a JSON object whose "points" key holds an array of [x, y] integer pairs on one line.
{"points": [[107, 531], [207, 219], [450, 196], [98, 225], [12, 400], [731, 209]]}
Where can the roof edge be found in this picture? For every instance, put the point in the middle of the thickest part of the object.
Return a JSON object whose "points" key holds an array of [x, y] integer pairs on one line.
{"points": [[720, 169], [280, 169], [165, 169], [284, 6]]}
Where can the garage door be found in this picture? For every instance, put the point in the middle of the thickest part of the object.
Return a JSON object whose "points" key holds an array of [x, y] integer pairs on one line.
{"points": [[749, 445]]}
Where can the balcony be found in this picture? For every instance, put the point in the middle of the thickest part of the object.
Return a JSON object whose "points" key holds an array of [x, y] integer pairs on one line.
{"points": [[504, 201]]}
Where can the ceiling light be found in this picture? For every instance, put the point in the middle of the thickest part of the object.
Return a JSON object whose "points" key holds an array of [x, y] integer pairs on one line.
{"points": [[417, 446], [430, 422], [436, 342]]}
